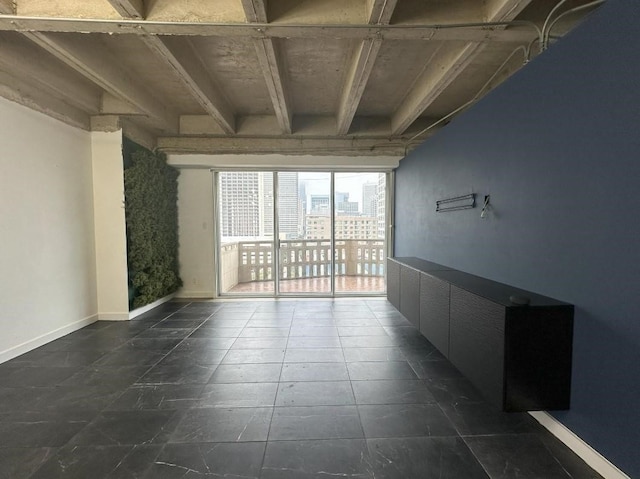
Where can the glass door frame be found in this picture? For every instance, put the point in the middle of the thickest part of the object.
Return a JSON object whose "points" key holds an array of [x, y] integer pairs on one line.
{"points": [[388, 238], [307, 294]]}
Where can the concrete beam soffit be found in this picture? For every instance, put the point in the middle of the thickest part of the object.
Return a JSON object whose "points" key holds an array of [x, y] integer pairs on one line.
{"points": [[39, 99], [129, 8], [105, 72], [289, 146], [255, 10], [381, 11], [361, 67], [273, 71], [180, 56], [21, 57], [386, 32], [451, 61]]}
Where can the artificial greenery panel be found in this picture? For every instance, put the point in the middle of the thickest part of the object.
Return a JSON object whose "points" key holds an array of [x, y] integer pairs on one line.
{"points": [[151, 194]]}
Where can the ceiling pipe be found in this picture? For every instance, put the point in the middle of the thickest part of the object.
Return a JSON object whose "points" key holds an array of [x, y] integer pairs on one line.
{"points": [[476, 97], [546, 30], [262, 27]]}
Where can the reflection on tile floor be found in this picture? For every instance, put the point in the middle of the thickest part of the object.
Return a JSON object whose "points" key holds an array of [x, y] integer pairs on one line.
{"points": [[343, 284], [260, 389]]}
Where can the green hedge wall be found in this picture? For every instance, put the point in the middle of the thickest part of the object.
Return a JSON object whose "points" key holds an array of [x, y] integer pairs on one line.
{"points": [[151, 194]]}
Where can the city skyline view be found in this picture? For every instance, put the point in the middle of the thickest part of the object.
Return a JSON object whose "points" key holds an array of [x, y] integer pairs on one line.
{"points": [[246, 202]]}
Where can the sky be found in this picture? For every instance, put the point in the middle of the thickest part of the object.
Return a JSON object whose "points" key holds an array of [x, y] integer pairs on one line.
{"points": [[318, 183]]}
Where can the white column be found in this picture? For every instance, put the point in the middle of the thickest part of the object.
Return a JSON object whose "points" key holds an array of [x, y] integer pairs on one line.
{"points": [[110, 229], [196, 233]]}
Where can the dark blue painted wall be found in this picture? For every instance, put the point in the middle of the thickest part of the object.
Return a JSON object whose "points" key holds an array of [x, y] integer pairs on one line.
{"points": [[557, 147]]}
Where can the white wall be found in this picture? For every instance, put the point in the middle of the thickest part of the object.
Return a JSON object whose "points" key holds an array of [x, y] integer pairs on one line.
{"points": [[195, 226], [110, 227], [47, 257]]}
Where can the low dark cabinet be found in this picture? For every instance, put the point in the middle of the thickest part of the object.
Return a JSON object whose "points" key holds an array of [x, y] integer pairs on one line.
{"points": [[410, 295], [518, 356], [393, 283], [476, 345], [434, 311]]}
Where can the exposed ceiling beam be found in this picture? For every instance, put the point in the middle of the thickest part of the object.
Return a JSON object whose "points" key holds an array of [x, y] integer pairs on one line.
{"points": [[22, 58], [305, 126], [286, 146], [271, 64], [255, 10], [181, 58], [386, 32], [104, 71], [501, 10], [441, 70], [362, 62], [37, 98], [7, 7], [179, 55], [110, 105], [361, 67], [129, 8], [448, 63], [381, 11]]}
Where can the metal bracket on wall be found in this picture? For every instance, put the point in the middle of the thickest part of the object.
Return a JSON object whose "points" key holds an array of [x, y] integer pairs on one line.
{"points": [[458, 203]]}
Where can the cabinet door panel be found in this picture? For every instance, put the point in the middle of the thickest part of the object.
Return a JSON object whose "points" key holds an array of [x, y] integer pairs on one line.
{"points": [[410, 295], [476, 342], [393, 283], [434, 311]]}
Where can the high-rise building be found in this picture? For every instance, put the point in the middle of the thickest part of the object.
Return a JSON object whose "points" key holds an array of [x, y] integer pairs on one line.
{"points": [[240, 204], [344, 207], [266, 208], [370, 199], [302, 207], [346, 227], [288, 206], [382, 207], [320, 204], [246, 203]]}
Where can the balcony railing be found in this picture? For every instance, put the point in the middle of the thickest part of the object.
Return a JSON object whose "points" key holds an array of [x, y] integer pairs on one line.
{"points": [[253, 261]]}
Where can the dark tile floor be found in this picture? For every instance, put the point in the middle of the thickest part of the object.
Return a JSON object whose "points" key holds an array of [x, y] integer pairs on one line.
{"points": [[289, 389]]}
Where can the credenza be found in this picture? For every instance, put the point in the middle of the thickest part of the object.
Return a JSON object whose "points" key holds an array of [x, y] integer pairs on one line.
{"points": [[515, 346]]}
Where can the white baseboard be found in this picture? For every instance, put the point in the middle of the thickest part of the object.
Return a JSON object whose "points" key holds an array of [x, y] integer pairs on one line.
{"points": [[588, 454], [113, 316], [43, 339], [138, 311], [188, 294]]}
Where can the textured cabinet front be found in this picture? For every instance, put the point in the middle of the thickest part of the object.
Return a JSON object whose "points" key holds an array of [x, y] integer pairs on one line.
{"points": [[434, 311], [476, 342], [519, 357], [410, 295], [393, 283]]}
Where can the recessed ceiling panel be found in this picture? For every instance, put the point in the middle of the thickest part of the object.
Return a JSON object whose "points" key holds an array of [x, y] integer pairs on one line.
{"points": [[398, 65], [233, 65], [316, 71]]}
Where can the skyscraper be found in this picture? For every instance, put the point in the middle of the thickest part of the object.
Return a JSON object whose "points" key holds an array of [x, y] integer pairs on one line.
{"points": [[288, 205], [344, 207], [240, 204], [382, 212], [370, 200]]}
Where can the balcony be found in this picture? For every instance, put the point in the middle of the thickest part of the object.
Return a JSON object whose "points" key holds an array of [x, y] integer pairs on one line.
{"points": [[247, 267]]}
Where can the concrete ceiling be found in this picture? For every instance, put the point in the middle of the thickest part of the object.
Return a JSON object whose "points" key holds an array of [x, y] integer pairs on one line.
{"points": [[315, 77]]}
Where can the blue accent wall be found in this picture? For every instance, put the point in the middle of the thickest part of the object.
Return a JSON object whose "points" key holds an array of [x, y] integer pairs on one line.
{"points": [[557, 146]]}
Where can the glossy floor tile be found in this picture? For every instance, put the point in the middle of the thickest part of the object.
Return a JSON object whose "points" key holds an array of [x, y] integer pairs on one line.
{"points": [[298, 389]]}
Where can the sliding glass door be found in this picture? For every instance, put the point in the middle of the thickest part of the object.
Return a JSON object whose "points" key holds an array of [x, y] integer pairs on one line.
{"points": [[359, 232], [301, 233], [245, 232], [304, 233]]}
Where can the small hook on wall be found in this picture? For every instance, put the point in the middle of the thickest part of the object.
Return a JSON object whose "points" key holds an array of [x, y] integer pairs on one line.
{"points": [[485, 206]]}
